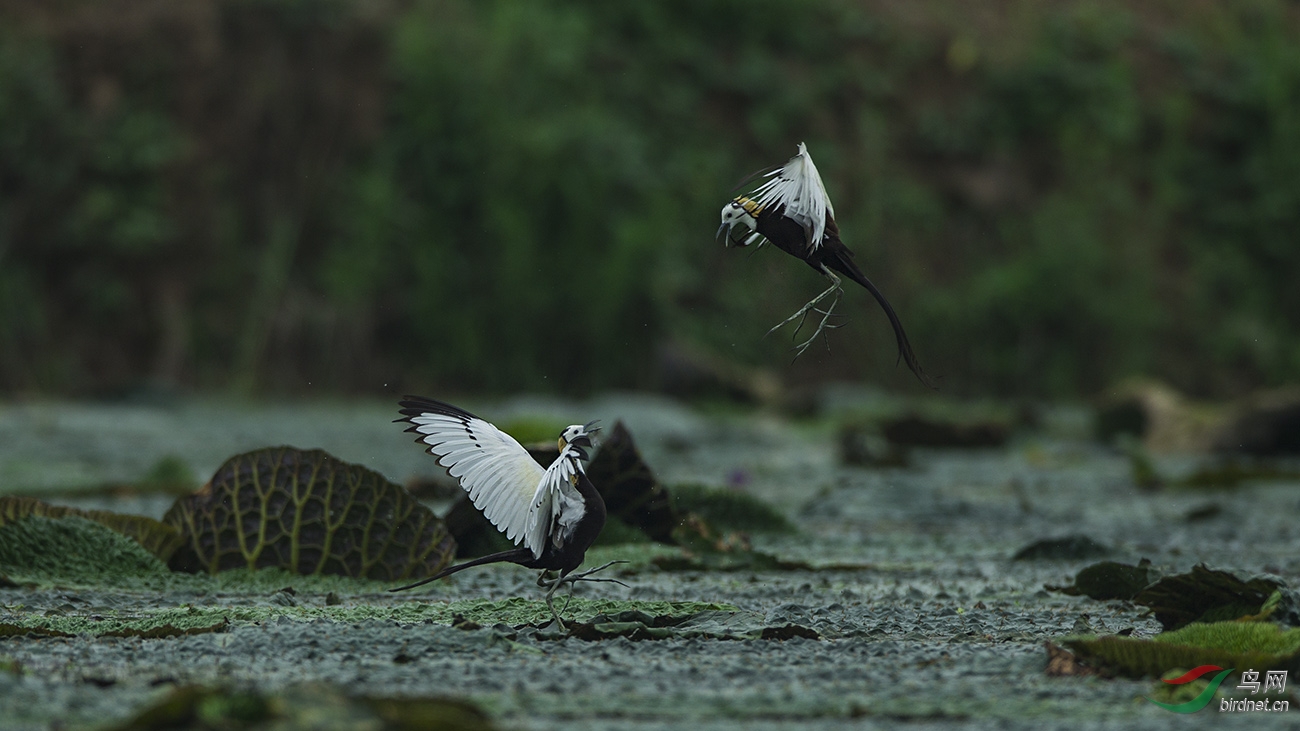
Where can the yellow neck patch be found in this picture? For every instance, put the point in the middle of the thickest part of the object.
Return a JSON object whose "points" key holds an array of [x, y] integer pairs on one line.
{"points": [[751, 207]]}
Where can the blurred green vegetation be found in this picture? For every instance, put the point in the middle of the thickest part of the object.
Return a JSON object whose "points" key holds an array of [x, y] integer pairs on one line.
{"points": [[276, 195]]}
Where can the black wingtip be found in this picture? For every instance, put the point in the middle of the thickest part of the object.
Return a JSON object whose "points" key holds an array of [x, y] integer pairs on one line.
{"points": [[416, 405]]}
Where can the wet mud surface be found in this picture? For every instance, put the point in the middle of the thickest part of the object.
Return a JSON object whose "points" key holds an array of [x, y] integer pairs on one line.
{"points": [[921, 615]]}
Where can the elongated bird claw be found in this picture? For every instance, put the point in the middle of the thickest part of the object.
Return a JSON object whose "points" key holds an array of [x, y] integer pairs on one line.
{"points": [[572, 579], [802, 315]]}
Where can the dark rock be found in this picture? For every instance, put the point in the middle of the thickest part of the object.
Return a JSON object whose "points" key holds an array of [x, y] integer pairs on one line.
{"points": [[1264, 425], [1062, 549], [918, 431]]}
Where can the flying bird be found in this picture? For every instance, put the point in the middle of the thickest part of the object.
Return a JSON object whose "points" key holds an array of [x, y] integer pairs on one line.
{"points": [[791, 210], [552, 515]]}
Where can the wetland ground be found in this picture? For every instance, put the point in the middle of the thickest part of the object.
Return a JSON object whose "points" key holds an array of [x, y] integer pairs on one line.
{"points": [[924, 619]]}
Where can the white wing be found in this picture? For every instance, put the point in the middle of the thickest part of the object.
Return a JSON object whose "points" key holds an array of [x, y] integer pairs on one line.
{"points": [[798, 187], [558, 501], [502, 479]]}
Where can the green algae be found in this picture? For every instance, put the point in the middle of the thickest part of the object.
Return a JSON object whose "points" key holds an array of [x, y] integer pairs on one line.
{"points": [[711, 624], [75, 552], [190, 619], [1236, 637], [158, 538], [1259, 645]]}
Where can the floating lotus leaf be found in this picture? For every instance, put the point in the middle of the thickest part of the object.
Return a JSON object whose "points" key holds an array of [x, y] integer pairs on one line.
{"points": [[1111, 580], [1206, 595], [1065, 548], [308, 512], [158, 538], [710, 624]]}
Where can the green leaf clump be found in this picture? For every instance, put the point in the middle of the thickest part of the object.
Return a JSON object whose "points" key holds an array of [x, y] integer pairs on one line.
{"points": [[158, 538], [74, 549], [1258, 645], [729, 510]]}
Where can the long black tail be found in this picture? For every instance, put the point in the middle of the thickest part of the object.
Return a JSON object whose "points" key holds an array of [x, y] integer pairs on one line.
{"points": [[842, 262], [514, 555]]}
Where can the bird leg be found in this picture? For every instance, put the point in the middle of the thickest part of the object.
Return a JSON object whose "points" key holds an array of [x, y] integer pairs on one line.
{"points": [[802, 314], [571, 579], [550, 603]]}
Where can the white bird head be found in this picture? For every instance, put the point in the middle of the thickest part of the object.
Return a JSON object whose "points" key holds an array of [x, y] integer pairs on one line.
{"points": [[739, 212], [578, 437]]}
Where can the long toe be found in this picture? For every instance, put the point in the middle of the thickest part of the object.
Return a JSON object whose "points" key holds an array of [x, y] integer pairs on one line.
{"points": [[554, 614]]}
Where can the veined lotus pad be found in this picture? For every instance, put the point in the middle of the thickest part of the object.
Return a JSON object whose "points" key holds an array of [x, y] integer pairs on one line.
{"points": [[308, 512]]}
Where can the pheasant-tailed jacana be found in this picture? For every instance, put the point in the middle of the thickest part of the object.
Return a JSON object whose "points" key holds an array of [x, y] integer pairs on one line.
{"points": [[552, 515], [791, 210]]}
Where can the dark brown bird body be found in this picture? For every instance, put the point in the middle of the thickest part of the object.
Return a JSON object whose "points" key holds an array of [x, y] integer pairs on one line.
{"points": [[790, 237], [564, 559]]}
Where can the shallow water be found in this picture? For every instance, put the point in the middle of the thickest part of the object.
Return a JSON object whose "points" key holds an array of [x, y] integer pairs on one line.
{"points": [[923, 616]]}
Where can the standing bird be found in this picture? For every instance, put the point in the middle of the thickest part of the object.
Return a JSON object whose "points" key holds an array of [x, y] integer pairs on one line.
{"points": [[552, 515], [791, 210]]}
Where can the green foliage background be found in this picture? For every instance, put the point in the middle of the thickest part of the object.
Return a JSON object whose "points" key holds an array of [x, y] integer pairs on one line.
{"points": [[275, 195]]}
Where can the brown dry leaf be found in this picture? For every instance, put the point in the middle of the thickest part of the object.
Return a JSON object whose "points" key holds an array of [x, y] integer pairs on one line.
{"points": [[1061, 663], [308, 512]]}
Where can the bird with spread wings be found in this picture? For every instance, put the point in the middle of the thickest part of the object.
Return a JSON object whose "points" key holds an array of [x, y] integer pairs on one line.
{"points": [[552, 515]]}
